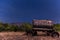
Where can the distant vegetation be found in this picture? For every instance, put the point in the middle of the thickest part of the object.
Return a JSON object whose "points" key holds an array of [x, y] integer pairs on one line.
{"points": [[57, 27], [15, 27], [23, 27]]}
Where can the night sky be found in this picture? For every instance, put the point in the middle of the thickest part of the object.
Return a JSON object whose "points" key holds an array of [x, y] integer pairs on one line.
{"points": [[27, 10]]}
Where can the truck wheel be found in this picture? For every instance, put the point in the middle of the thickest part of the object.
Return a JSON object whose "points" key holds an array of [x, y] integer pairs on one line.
{"points": [[48, 34], [34, 33], [28, 33], [55, 34]]}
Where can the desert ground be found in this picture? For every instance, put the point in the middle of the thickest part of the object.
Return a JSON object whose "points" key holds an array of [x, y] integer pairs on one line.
{"points": [[23, 36]]}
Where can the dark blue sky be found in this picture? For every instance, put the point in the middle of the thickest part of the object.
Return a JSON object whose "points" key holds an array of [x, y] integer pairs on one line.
{"points": [[26, 10]]}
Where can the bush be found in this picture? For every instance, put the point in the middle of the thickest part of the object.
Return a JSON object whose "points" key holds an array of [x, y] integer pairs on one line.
{"points": [[8, 27], [11, 28], [2, 28], [57, 27], [26, 26]]}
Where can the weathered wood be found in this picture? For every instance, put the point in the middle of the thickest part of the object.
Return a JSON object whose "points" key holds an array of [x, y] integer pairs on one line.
{"points": [[42, 22]]}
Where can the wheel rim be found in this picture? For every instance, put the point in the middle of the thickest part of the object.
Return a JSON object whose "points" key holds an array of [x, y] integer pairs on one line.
{"points": [[55, 35]]}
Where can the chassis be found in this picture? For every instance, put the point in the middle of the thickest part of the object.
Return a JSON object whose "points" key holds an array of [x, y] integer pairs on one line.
{"points": [[49, 31]]}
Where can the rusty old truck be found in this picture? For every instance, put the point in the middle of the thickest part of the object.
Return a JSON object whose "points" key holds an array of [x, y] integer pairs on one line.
{"points": [[46, 26]]}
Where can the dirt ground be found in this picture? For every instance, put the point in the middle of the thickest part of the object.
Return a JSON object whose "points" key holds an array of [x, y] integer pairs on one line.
{"points": [[22, 36]]}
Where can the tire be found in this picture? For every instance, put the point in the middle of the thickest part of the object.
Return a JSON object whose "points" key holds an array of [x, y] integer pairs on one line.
{"points": [[28, 33], [48, 34], [55, 35], [34, 33]]}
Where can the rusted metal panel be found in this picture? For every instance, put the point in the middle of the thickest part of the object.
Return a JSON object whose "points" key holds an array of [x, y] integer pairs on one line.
{"points": [[42, 22]]}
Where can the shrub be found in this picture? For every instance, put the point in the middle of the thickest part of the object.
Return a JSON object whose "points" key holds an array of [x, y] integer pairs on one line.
{"points": [[26, 26]]}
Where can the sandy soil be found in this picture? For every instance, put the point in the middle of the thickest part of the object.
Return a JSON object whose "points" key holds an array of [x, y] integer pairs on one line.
{"points": [[22, 36]]}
